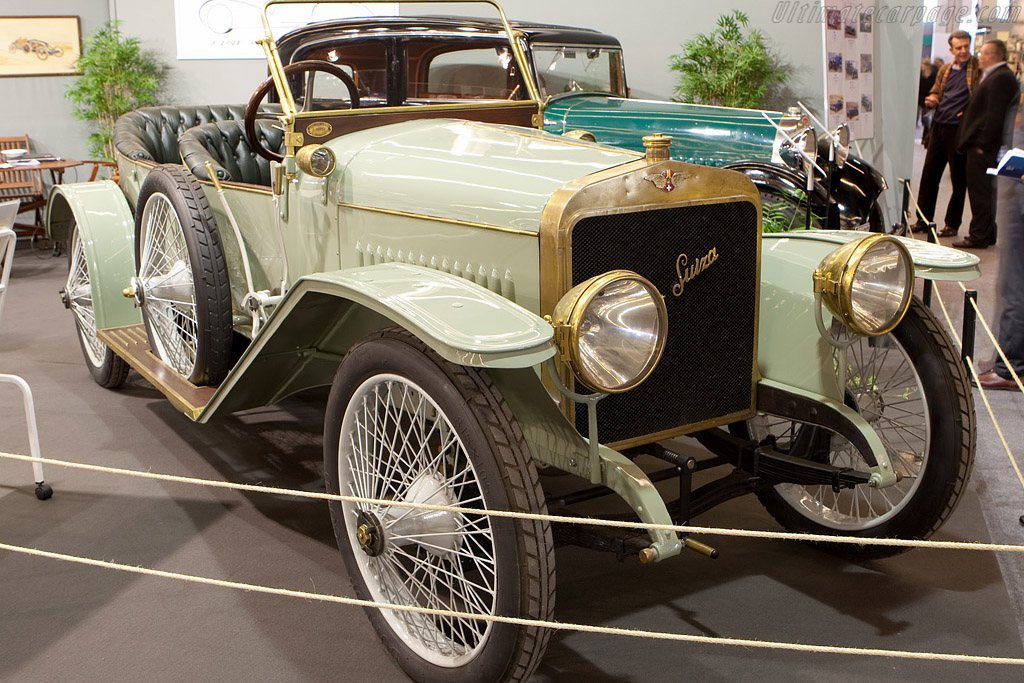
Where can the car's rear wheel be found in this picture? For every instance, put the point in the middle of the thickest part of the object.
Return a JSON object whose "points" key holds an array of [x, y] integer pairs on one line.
{"points": [[912, 388], [402, 424], [107, 369], [182, 282]]}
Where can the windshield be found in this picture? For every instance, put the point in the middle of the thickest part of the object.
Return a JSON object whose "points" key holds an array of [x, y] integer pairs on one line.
{"points": [[578, 68]]}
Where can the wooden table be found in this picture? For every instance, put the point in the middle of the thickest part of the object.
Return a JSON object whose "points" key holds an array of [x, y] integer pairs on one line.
{"points": [[56, 168]]}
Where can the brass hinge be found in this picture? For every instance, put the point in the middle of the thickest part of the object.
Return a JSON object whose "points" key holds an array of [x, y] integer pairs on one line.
{"points": [[293, 139]]}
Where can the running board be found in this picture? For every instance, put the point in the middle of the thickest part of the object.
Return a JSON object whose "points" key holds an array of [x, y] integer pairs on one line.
{"points": [[132, 344]]}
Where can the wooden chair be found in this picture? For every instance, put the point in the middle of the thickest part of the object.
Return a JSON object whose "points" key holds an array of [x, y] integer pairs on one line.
{"points": [[25, 184]]}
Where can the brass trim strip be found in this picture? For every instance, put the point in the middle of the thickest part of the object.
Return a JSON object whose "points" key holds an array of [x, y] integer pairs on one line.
{"points": [[406, 108], [452, 221], [235, 185], [131, 343]]}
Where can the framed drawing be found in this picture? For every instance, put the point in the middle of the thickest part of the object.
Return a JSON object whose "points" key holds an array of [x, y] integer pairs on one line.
{"points": [[39, 46]]}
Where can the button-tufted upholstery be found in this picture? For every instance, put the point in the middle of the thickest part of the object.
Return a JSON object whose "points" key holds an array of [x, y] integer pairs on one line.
{"points": [[151, 133], [224, 144]]}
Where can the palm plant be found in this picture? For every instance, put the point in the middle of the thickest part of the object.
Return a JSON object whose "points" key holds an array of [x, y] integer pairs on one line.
{"points": [[730, 66], [117, 77]]}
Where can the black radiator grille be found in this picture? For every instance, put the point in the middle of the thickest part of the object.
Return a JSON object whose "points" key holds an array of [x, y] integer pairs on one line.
{"points": [[705, 372]]}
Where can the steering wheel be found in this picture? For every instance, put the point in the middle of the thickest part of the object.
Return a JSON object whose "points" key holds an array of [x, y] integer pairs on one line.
{"points": [[308, 67]]}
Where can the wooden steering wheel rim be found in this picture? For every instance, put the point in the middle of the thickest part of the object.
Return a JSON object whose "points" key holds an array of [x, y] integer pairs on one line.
{"points": [[252, 108]]}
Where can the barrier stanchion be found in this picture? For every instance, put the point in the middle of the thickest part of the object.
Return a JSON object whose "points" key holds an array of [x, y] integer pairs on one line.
{"points": [[970, 322]]}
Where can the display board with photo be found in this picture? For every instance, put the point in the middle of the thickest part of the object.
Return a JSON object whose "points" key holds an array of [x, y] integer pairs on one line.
{"points": [[849, 70]]}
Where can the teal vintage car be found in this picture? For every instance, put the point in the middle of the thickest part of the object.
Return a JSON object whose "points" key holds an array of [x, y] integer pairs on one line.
{"points": [[579, 76], [491, 303]]}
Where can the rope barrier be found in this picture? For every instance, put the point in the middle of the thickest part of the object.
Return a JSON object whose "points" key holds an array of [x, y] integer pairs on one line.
{"points": [[999, 431], [554, 625], [970, 361], [995, 342], [591, 521]]}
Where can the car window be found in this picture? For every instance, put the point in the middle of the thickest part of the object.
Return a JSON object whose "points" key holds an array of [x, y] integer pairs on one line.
{"points": [[578, 68], [444, 72], [365, 61]]}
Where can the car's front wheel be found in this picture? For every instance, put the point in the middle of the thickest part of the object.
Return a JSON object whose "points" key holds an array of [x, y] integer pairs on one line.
{"points": [[912, 388], [405, 425]]}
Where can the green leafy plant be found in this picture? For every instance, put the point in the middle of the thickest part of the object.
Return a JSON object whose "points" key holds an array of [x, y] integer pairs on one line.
{"points": [[731, 66], [117, 77], [788, 214]]}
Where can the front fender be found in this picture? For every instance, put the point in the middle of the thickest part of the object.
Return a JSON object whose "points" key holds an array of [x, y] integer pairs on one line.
{"points": [[324, 314], [931, 261], [107, 229], [790, 349]]}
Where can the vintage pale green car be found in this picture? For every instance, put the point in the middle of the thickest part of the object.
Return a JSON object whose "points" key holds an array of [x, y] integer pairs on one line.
{"points": [[491, 303]]}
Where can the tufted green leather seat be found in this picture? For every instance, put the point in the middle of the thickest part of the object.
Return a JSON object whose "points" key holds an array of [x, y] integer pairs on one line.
{"points": [[225, 146], [151, 133]]}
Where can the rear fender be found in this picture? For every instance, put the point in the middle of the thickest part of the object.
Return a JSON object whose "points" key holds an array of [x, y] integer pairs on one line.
{"points": [[107, 230], [323, 315]]}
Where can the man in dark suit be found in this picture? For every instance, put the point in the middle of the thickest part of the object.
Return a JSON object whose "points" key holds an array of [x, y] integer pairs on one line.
{"points": [[980, 136]]}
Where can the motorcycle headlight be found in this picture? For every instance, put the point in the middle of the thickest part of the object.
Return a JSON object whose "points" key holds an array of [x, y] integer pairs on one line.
{"points": [[867, 284], [315, 160], [611, 329]]}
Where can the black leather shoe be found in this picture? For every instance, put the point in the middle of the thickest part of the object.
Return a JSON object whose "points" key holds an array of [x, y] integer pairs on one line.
{"points": [[968, 243], [947, 232], [991, 380]]}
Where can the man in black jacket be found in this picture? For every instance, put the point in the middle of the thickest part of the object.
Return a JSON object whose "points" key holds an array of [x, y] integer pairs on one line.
{"points": [[980, 136]]}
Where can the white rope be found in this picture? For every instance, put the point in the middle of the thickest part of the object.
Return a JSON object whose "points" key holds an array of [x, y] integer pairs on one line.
{"points": [[995, 423], [974, 373], [640, 526], [995, 342], [970, 361], [556, 625]]}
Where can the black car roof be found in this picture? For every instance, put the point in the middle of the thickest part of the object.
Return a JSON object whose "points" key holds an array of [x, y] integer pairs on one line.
{"points": [[382, 26]]}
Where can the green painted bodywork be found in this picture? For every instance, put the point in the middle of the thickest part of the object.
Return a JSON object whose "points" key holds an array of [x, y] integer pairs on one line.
{"points": [[490, 174], [433, 225], [324, 314], [701, 134], [107, 230]]}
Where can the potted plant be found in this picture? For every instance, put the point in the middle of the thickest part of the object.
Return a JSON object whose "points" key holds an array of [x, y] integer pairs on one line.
{"points": [[117, 77], [731, 66]]}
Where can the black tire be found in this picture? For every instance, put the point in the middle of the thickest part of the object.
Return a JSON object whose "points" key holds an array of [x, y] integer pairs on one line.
{"points": [[492, 458], [191, 332], [107, 368], [941, 459]]}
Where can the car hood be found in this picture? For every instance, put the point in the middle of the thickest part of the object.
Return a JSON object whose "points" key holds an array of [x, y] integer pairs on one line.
{"points": [[454, 170], [702, 134]]}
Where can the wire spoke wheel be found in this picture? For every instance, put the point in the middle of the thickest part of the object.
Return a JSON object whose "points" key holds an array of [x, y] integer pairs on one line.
{"points": [[165, 273], [108, 369], [884, 387], [182, 282], [405, 426], [398, 445], [911, 387]]}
